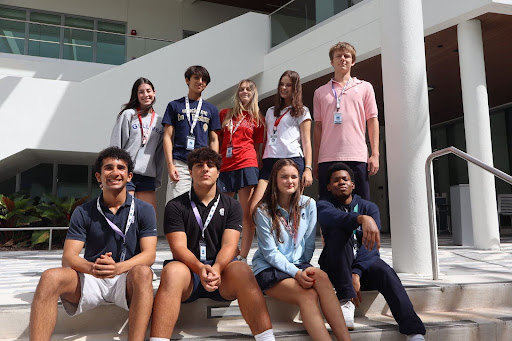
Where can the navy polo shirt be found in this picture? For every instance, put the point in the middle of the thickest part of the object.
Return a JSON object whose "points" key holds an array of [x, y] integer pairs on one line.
{"points": [[179, 217], [89, 226], [176, 115]]}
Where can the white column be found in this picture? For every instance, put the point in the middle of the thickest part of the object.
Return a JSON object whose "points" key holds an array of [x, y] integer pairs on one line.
{"points": [[478, 134], [407, 132]]}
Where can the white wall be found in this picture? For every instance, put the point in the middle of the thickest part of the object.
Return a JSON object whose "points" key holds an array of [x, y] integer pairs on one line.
{"points": [[61, 115], [49, 68]]}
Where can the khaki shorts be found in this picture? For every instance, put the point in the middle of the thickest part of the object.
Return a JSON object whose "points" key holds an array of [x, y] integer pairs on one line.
{"points": [[175, 189], [96, 292]]}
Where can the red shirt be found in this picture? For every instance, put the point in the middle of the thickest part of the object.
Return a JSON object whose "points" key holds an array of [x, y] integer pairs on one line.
{"points": [[244, 138]]}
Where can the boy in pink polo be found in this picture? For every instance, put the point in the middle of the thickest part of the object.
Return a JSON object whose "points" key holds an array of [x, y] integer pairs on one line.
{"points": [[342, 109]]}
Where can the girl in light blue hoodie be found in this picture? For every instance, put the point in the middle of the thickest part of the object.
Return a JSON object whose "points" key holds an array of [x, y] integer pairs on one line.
{"points": [[285, 225]]}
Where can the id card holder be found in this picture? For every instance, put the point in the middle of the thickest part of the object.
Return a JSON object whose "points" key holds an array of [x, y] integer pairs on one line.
{"points": [[202, 250], [229, 151], [191, 141], [337, 118], [273, 140]]}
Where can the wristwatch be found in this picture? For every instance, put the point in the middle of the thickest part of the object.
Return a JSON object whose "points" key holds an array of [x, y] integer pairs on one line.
{"points": [[310, 168], [241, 258]]}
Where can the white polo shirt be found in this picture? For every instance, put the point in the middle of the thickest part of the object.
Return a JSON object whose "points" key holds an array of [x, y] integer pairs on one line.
{"points": [[288, 134]]}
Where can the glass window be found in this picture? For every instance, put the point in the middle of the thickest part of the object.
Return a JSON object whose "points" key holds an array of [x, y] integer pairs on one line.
{"points": [[72, 181], [44, 41], [37, 180], [78, 44], [111, 48], [12, 33]]}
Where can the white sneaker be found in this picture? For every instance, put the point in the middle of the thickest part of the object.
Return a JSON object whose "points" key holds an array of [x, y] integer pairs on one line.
{"points": [[415, 337], [348, 309]]}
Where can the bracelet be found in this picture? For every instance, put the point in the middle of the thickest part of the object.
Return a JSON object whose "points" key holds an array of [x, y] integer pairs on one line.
{"points": [[241, 258], [310, 168]]}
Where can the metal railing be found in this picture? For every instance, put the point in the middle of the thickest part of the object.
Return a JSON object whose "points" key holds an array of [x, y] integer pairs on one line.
{"points": [[86, 29], [431, 209], [51, 228]]}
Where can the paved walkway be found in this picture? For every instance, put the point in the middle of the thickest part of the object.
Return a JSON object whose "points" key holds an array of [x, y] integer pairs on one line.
{"points": [[20, 270]]}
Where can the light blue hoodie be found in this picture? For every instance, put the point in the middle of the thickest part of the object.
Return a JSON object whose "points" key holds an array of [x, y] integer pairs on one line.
{"points": [[284, 256]]}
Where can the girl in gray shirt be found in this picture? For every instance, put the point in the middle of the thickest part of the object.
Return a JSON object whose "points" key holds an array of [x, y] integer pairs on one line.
{"points": [[139, 131]]}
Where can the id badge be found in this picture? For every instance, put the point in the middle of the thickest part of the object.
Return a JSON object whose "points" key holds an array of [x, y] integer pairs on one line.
{"points": [[337, 118], [273, 140], [202, 250], [191, 141], [229, 151]]}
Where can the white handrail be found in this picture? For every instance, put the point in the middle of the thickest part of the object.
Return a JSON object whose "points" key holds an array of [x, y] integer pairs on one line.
{"points": [[431, 209]]}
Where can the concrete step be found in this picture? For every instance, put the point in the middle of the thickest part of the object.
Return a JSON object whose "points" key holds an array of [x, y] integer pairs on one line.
{"points": [[450, 312]]}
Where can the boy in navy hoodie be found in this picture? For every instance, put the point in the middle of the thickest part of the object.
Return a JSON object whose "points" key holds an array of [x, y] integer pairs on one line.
{"points": [[350, 228]]}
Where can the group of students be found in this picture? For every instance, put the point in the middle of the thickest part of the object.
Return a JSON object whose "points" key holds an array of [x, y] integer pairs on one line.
{"points": [[211, 156]]}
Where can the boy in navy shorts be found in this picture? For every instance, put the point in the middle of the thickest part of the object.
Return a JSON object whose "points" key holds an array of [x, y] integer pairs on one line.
{"points": [[203, 227], [190, 123], [119, 234]]}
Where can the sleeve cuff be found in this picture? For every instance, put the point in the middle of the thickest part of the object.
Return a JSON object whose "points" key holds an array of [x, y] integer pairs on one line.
{"points": [[357, 271]]}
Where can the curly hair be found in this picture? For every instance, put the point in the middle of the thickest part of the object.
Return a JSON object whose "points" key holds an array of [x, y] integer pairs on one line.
{"points": [[204, 154], [114, 153]]}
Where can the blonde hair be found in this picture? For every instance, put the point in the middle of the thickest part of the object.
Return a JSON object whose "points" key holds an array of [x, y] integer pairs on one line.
{"points": [[238, 107], [342, 47]]}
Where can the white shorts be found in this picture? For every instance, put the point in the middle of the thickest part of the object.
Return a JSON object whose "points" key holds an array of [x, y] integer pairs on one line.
{"points": [[175, 189], [96, 292]]}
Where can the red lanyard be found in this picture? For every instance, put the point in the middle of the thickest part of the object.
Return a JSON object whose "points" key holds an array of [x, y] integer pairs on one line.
{"points": [[145, 134], [276, 123]]}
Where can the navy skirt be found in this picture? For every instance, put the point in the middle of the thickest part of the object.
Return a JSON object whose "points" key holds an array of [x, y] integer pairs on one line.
{"points": [[240, 178], [270, 276]]}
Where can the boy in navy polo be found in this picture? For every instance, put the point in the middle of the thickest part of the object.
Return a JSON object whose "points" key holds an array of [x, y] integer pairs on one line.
{"points": [[352, 261], [203, 228], [119, 234], [190, 123]]}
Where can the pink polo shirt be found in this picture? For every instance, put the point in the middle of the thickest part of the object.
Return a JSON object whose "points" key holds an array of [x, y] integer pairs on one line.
{"points": [[345, 141]]}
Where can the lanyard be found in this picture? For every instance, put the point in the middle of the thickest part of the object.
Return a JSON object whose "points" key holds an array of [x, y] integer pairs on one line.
{"points": [[145, 134], [338, 99], [231, 130], [198, 217], [276, 123], [131, 218], [196, 116]]}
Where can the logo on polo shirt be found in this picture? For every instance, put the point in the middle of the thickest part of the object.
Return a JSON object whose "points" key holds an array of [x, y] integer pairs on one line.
{"points": [[221, 211]]}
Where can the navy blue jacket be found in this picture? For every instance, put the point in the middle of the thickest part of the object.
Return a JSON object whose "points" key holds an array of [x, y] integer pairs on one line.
{"points": [[336, 224]]}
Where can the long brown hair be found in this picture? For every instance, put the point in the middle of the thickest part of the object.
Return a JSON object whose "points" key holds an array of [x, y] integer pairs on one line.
{"points": [[270, 198], [133, 103], [297, 106], [238, 107]]}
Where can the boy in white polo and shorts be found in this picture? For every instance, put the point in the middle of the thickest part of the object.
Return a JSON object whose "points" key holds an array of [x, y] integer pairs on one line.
{"points": [[119, 234]]}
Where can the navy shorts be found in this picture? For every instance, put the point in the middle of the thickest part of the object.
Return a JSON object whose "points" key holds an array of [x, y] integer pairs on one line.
{"points": [[240, 178], [268, 163], [270, 276], [141, 183], [198, 290]]}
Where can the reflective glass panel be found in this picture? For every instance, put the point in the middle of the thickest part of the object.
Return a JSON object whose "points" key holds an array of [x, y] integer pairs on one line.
{"points": [[78, 44], [12, 33], [44, 41], [111, 48]]}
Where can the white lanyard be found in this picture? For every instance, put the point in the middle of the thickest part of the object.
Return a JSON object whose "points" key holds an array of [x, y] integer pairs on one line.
{"points": [[231, 130], [338, 99], [131, 218], [198, 217], [196, 116]]}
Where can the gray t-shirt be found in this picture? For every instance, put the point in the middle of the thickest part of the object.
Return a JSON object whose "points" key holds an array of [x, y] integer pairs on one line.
{"points": [[126, 134]]}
